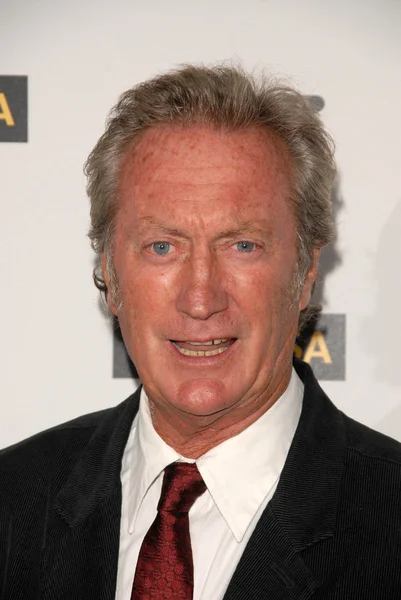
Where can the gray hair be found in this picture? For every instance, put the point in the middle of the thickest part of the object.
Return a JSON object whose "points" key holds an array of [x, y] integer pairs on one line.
{"points": [[222, 97]]}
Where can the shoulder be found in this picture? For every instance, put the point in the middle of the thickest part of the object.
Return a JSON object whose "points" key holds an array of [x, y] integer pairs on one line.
{"points": [[52, 438], [368, 445], [360, 443], [33, 460], [371, 482], [366, 463], [50, 455]]}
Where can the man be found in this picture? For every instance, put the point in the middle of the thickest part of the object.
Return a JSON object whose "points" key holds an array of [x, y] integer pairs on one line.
{"points": [[229, 474]]}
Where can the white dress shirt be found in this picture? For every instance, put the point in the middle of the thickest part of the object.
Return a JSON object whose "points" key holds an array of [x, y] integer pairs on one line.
{"points": [[241, 475]]}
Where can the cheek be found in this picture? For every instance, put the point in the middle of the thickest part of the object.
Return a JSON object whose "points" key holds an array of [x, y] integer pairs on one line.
{"points": [[146, 299], [262, 289], [270, 305]]}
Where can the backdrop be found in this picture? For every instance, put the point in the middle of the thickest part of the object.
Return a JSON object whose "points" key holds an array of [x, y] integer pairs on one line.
{"points": [[64, 64]]}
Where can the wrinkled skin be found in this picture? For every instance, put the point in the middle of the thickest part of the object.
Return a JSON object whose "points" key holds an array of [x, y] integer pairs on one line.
{"points": [[204, 249]]}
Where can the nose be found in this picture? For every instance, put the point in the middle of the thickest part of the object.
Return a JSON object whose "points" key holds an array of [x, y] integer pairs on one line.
{"points": [[201, 291]]}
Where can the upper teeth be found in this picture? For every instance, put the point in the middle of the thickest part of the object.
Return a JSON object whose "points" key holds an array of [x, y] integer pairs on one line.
{"points": [[210, 343]]}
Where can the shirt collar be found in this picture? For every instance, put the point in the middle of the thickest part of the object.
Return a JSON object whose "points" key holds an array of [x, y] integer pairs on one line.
{"points": [[239, 473], [150, 456]]}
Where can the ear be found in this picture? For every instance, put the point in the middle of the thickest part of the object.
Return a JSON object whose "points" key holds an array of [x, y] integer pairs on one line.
{"points": [[309, 280], [106, 278]]}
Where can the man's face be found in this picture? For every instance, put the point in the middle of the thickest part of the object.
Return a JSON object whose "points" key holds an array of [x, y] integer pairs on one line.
{"points": [[205, 255]]}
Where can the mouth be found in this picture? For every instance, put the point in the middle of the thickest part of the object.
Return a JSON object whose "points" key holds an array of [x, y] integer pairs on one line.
{"points": [[212, 347]]}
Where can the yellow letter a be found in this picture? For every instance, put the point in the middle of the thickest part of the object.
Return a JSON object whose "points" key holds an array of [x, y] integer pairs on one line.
{"points": [[5, 112], [317, 348]]}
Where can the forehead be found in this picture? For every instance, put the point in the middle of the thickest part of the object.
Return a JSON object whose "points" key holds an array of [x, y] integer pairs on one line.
{"points": [[196, 154]]}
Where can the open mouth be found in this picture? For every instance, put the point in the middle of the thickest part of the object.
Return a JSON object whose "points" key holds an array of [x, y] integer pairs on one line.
{"points": [[206, 348]]}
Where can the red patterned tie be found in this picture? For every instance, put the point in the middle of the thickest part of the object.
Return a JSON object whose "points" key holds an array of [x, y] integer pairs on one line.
{"points": [[165, 568]]}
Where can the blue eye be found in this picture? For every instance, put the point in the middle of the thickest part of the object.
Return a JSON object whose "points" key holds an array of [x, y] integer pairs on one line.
{"points": [[161, 248], [245, 246]]}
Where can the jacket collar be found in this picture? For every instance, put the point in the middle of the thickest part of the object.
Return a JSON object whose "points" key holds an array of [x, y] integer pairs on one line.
{"points": [[305, 501], [96, 474], [302, 511]]}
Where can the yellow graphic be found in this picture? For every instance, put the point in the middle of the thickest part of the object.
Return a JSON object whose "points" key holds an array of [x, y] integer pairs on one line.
{"points": [[298, 352], [317, 348], [5, 112]]}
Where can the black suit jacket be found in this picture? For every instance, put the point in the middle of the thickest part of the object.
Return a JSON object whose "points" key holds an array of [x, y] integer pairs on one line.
{"points": [[331, 531]]}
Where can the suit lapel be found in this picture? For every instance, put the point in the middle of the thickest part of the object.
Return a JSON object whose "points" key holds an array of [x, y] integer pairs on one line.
{"points": [[82, 562], [303, 509], [270, 567], [80, 554]]}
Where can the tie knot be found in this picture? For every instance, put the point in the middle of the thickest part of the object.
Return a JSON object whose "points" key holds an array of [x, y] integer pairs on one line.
{"points": [[182, 485]]}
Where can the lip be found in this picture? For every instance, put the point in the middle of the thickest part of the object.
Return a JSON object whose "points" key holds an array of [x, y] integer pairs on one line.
{"points": [[205, 361], [203, 341]]}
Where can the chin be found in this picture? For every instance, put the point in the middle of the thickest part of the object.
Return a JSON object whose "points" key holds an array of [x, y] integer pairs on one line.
{"points": [[202, 397]]}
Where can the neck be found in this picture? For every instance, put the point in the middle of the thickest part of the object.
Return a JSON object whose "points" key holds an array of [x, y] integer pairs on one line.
{"points": [[194, 435]]}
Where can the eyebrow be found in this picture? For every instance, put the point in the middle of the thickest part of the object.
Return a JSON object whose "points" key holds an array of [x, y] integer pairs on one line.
{"points": [[162, 227], [247, 227]]}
